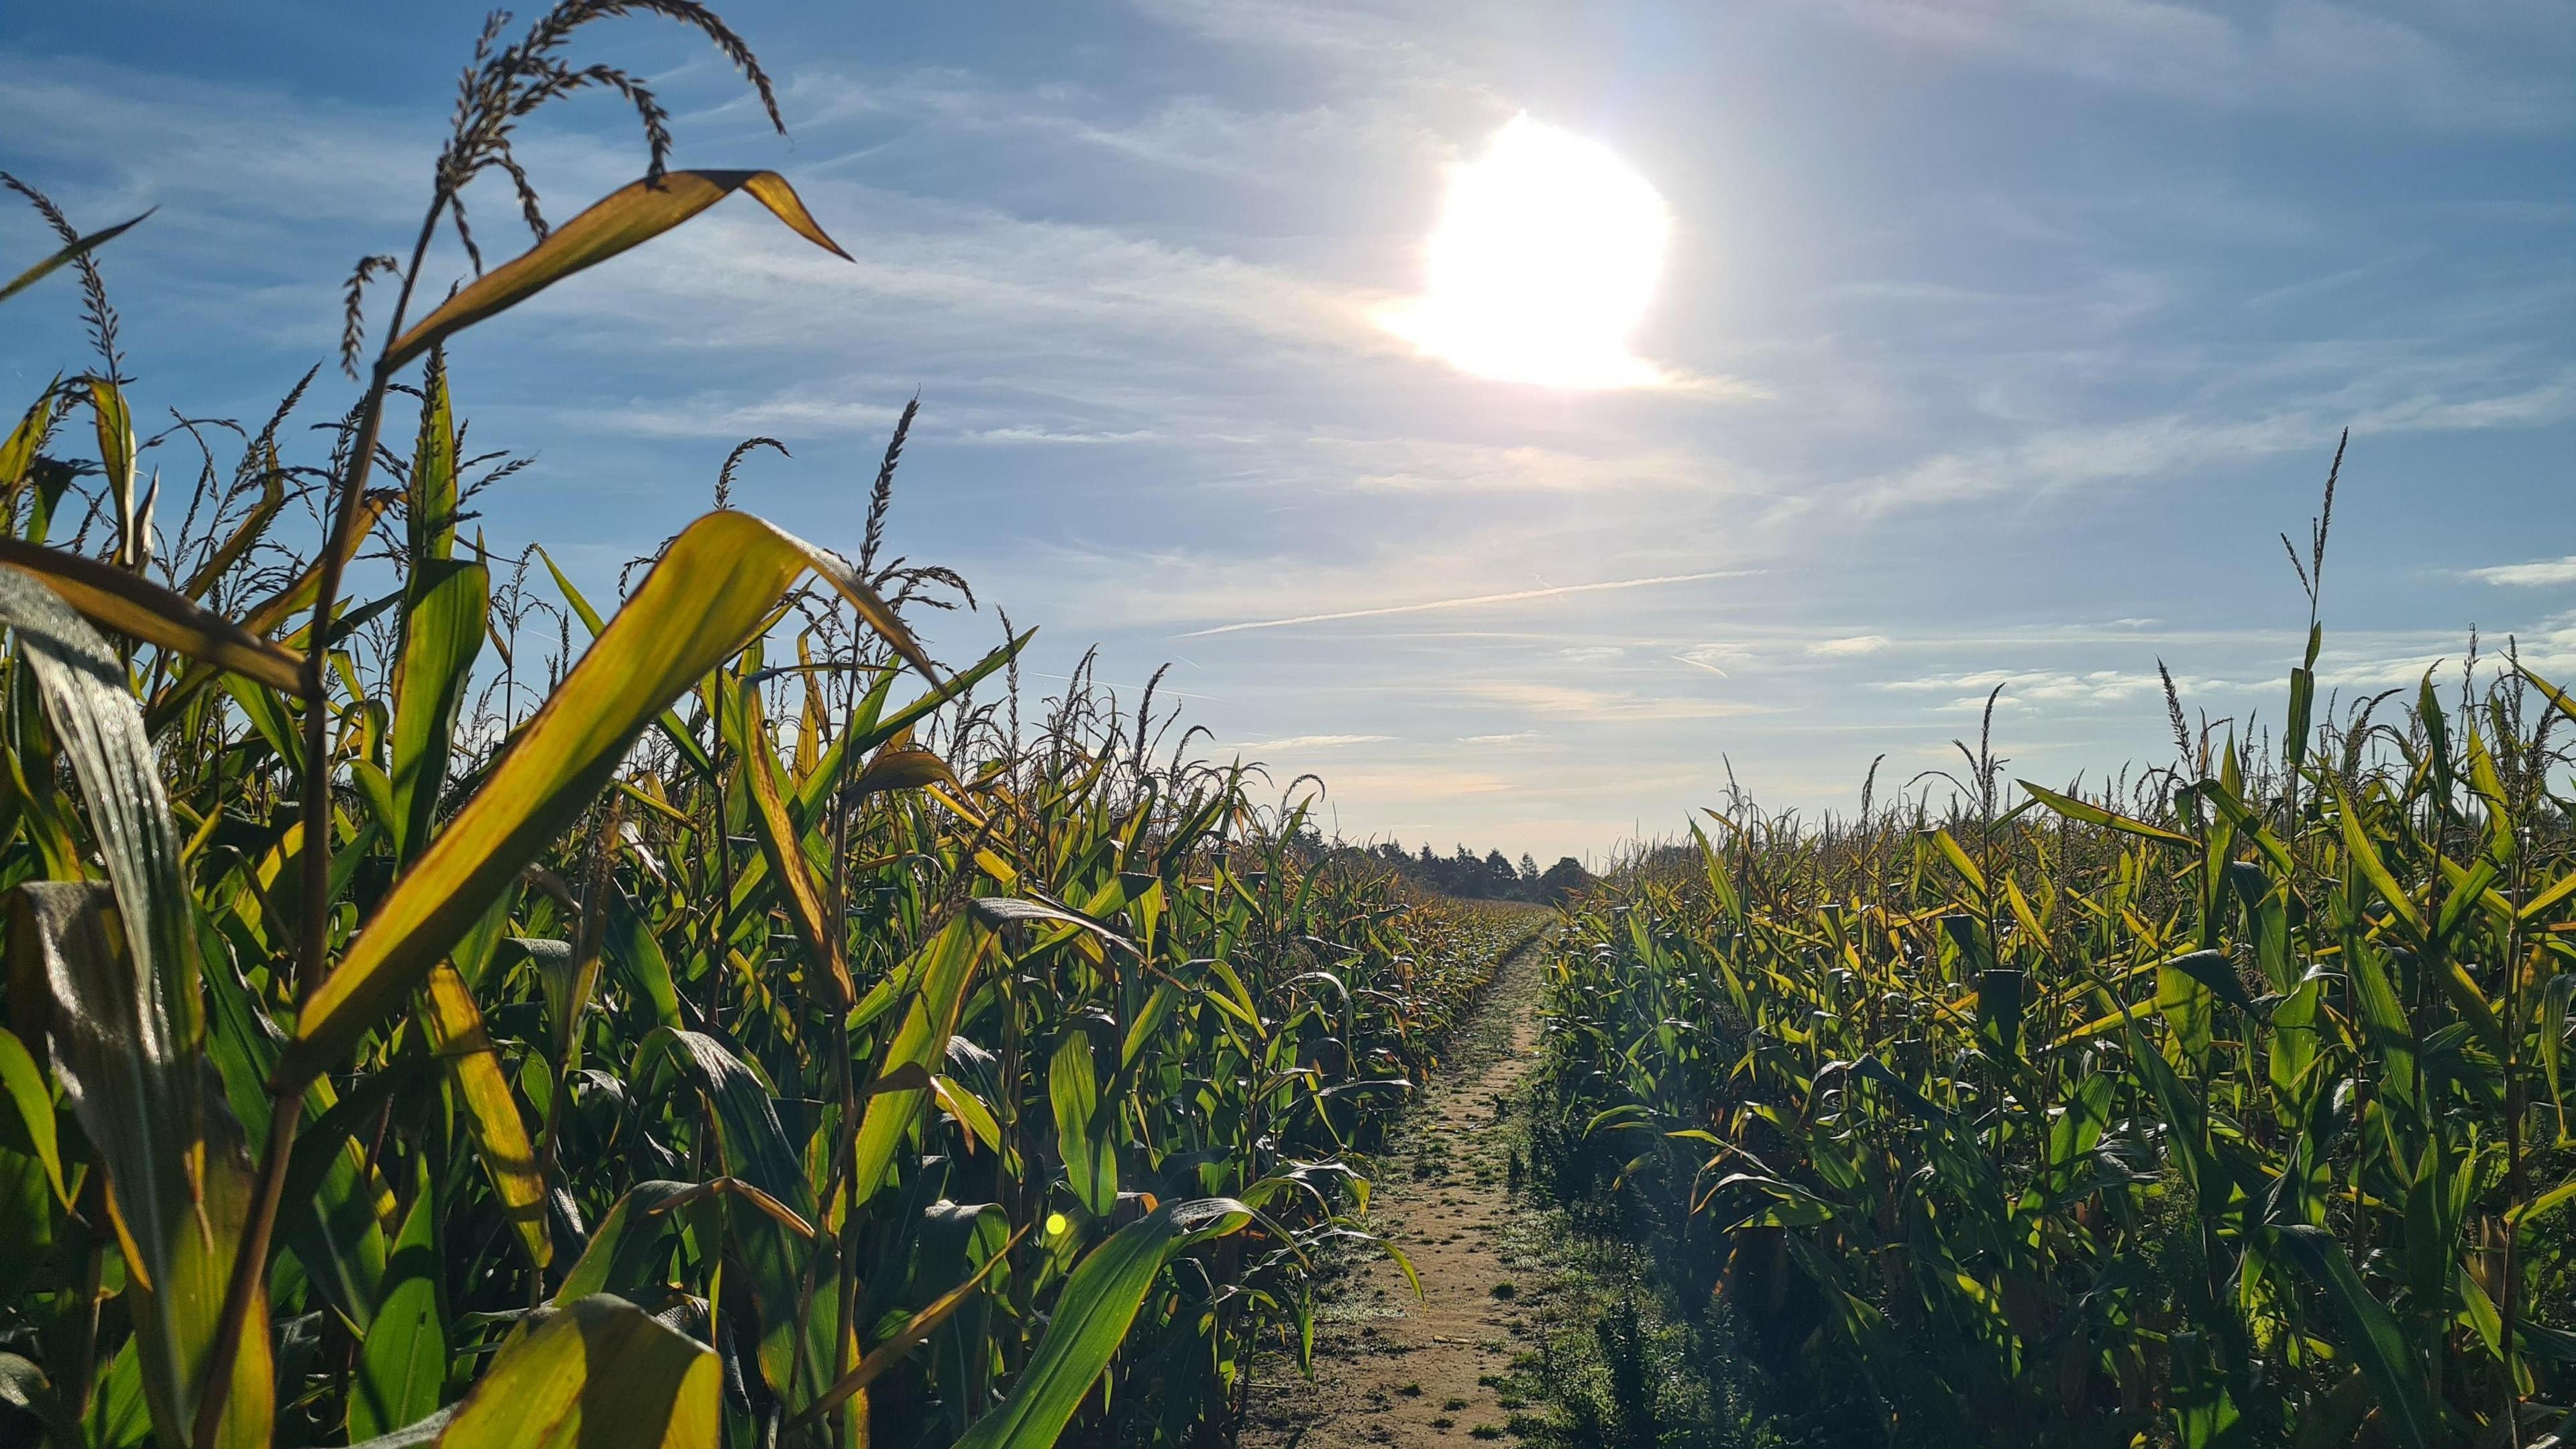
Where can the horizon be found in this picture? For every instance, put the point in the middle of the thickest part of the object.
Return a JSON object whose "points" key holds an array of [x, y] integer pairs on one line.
{"points": [[1990, 347]]}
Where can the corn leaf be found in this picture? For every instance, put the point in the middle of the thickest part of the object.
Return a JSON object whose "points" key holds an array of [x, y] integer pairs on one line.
{"points": [[2090, 814], [25, 1084], [77, 248], [1092, 1315], [1090, 1154], [402, 1362], [937, 978], [444, 611], [117, 599], [456, 1034], [594, 1372], [627, 217], [713, 587], [2372, 1336]]}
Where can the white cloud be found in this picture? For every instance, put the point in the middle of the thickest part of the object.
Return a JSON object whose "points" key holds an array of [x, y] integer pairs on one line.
{"points": [[1043, 435], [1315, 742], [1850, 646], [2037, 687], [2543, 574]]}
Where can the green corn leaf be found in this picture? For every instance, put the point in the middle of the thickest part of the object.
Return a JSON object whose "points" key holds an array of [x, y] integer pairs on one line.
{"points": [[624, 1244], [797, 1334], [937, 979], [2542, 1204], [116, 453], [445, 608], [630, 944], [1092, 1314], [430, 515], [199, 1201], [2241, 817], [2548, 897], [25, 1085], [70, 251], [1958, 858], [402, 1362], [2365, 858], [897, 1344], [2074, 809], [2213, 969], [2372, 1337], [1090, 1154], [2554, 999]]}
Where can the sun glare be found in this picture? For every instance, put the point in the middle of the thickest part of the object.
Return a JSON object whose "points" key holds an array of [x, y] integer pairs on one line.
{"points": [[1546, 255]]}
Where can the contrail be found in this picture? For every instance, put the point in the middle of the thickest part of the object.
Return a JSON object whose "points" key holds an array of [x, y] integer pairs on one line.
{"points": [[1471, 601]]}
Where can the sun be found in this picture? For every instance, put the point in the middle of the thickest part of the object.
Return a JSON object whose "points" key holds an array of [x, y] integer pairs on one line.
{"points": [[1547, 253]]}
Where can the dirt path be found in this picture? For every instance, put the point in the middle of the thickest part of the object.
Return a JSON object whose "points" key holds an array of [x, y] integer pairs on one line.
{"points": [[1393, 1369]]}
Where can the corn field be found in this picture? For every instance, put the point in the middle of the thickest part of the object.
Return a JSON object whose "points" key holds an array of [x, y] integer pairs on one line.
{"points": [[2222, 1106], [441, 1010]]}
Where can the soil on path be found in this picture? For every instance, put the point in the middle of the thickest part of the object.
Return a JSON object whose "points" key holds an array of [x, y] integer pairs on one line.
{"points": [[1394, 1369]]}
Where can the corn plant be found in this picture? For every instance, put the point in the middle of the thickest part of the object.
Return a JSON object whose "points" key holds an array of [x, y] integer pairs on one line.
{"points": [[717, 1028], [2222, 1106]]}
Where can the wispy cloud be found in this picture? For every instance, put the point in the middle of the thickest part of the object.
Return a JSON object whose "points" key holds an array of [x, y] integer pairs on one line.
{"points": [[2544, 574], [2058, 459], [1043, 435], [2286, 55], [1448, 465], [1315, 742], [1617, 705], [1471, 601]]}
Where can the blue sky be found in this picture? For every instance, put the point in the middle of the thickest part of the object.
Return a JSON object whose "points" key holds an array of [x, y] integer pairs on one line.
{"points": [[2015, 332]]}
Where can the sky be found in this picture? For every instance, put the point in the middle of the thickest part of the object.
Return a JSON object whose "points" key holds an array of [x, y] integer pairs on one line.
{"points": [[1993, 343]]}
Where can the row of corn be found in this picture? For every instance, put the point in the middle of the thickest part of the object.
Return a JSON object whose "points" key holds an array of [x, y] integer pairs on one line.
{"points": [[2224, 1109]]}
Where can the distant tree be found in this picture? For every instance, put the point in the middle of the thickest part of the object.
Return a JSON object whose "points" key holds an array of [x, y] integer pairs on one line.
{"points": [[1529, 871], [1563, 879]]}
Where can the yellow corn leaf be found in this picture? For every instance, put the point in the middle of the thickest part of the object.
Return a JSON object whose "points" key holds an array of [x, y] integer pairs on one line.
{"points": [[627, 217], [806, 910], [595, 1371], [129, 604], [457, 1037]]}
